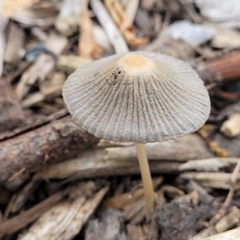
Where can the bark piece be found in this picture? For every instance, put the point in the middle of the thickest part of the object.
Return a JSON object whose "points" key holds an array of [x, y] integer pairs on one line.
{"points": [[31, 151], [165, 157], [11, 114], [30, 215], [92, 164], [109, 226], [225, 68], [34, 123], [65, 220]]}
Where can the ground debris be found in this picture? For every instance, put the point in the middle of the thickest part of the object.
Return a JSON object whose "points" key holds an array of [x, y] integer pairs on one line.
{"points": [[57, 181], [109, 226], [28, 152], [178, 219]]}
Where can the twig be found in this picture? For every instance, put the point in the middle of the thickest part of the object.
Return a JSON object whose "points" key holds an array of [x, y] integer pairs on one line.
{"points": [[114, 35], [229, 197], [31, 151]]}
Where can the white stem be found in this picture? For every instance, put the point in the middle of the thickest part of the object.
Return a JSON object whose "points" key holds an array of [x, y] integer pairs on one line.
{"points": [[146, 178]]}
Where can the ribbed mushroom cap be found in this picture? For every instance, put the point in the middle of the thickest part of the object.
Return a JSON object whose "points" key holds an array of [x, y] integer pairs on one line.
{"points": [[137, 97]]}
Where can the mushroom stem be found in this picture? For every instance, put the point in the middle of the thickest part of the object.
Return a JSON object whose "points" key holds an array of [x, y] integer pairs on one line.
{"points": [[146, 178]]}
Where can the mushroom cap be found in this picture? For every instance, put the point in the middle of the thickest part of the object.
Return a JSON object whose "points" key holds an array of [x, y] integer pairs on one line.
{"points": [[137, 97]]}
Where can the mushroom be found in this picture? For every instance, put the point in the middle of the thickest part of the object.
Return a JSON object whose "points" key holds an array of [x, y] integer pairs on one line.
{"points": [[137, 97]]}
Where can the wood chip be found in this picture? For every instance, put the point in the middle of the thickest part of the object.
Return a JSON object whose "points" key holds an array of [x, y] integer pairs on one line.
{"points": [[217, 180], [42, 14], [87, 47], [120, 201], [27, 217], [228, 221], [173, 150], [9, 7], [65, 220], [228, 235], [208, 165], [134, 232], [69, 63], [125, 26], [231, 127], [44, 65], [114, 35], [225, 223], [225, 38]]}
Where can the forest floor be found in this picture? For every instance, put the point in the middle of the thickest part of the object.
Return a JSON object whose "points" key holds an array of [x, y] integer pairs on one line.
{"points": [[57, 182]]}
